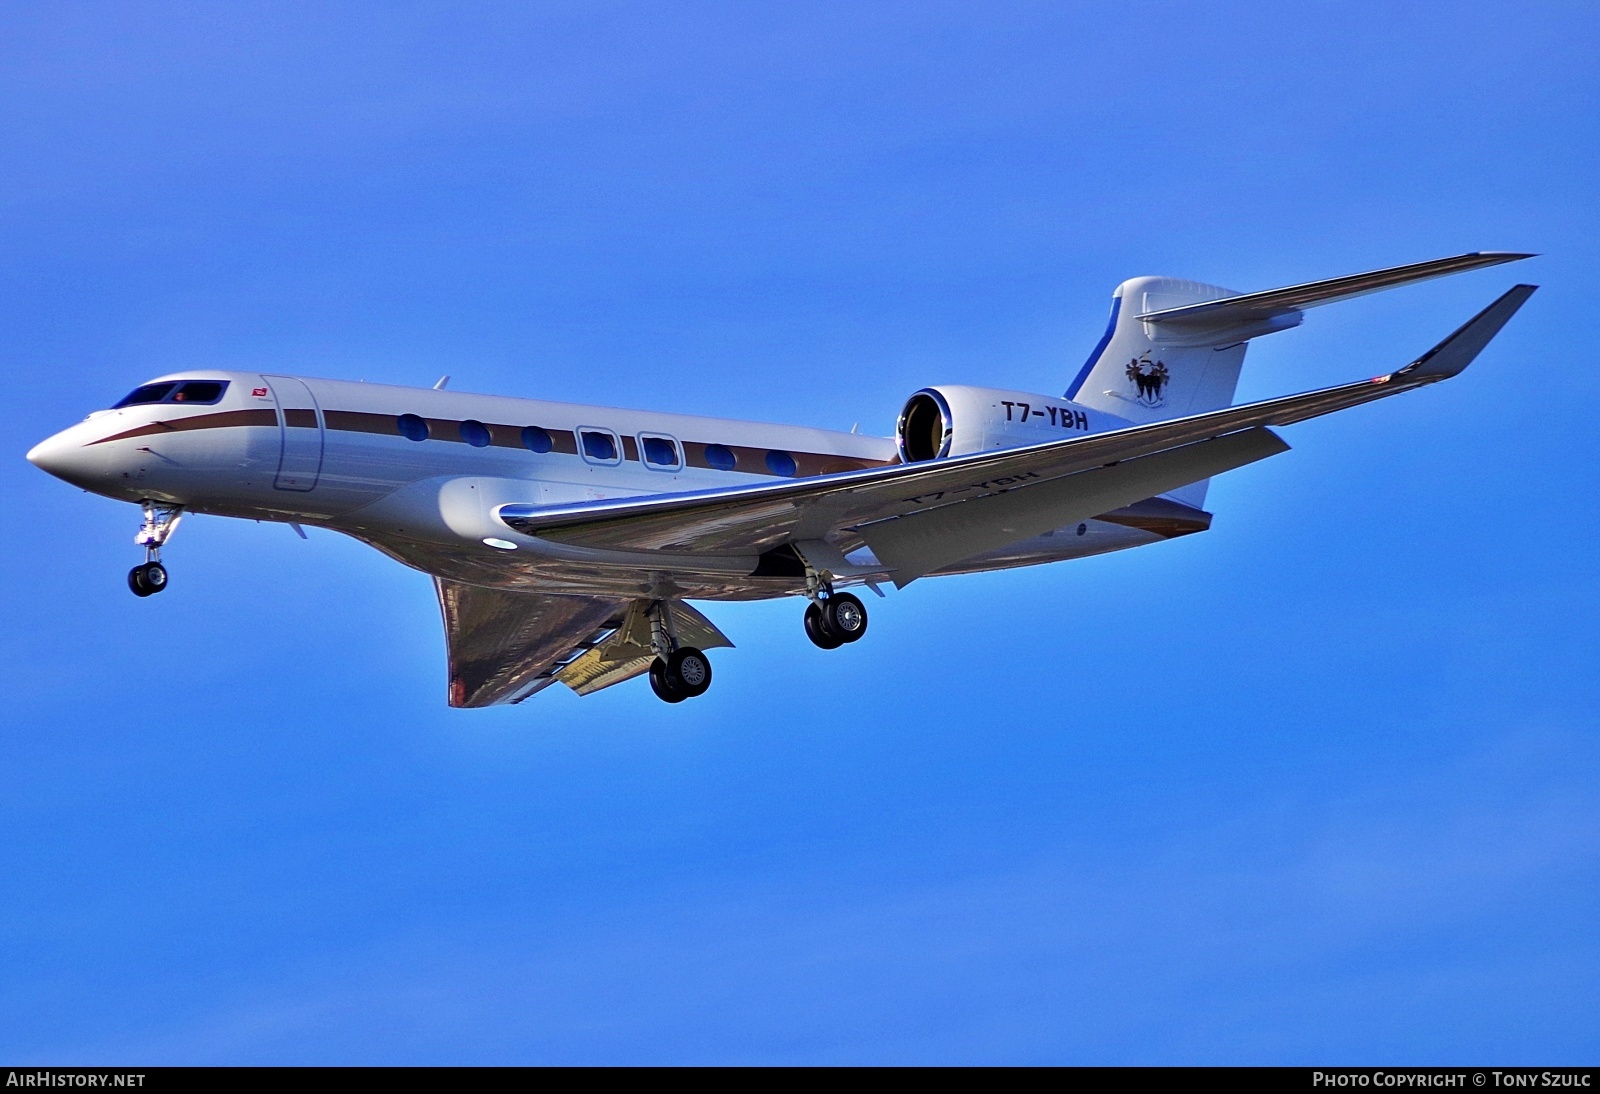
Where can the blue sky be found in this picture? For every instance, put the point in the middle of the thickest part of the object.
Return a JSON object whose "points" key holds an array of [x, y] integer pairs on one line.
{"points": [[1319, 785]]}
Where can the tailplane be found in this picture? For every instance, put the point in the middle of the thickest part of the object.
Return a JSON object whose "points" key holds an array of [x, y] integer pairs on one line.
{"points": [[1175, 347]]}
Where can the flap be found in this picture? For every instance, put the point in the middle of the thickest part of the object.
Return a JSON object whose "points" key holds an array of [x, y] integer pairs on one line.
{"points": [[627, 652]]}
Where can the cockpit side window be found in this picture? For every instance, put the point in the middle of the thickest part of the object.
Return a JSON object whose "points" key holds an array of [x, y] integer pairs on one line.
{"points": [[149, 393], [201, 392]]}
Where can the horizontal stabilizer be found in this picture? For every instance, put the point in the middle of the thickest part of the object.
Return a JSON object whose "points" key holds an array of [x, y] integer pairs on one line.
{"points": [[1260, 307]]}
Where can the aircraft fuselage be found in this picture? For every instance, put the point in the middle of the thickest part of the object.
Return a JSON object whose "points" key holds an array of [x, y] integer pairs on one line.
{"points": [[370, 460]]}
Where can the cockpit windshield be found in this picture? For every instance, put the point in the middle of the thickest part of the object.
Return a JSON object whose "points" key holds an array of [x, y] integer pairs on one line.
{"points": [[203, 392]]}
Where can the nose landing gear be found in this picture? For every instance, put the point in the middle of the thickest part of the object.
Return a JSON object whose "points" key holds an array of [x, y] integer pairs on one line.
{"points": [[159, 523]]}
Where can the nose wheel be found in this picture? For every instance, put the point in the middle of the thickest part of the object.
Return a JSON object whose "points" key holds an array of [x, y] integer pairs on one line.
{"points": [[160, 521], [832, 622], [148, 579]]}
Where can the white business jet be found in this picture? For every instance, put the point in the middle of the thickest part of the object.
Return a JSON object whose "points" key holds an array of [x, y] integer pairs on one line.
{"points": [[565, 541]]}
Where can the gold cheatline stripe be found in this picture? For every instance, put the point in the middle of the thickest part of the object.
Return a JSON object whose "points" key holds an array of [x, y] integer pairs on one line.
{"points": [[563, 441], [225, 420]]}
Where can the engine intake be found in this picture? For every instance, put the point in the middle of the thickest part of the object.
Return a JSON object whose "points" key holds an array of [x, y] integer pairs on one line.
{"points": [[956, 420], [925, 427]]}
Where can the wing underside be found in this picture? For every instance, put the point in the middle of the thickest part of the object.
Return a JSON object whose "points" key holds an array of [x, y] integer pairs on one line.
{"points": [[505, 646]]}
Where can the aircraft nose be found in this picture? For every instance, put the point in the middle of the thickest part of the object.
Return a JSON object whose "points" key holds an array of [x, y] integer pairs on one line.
{"points": [[61, 457]]}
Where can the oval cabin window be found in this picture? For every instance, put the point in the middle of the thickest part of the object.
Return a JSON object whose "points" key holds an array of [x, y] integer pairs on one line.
{"points": [[599, 446]]}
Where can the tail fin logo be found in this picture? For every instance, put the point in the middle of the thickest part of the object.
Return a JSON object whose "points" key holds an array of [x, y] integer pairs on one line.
{"points": [[1150, 377]]}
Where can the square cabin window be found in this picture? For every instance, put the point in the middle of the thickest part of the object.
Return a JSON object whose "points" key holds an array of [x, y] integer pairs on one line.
{"points": [[600, 446], [660, 453]]}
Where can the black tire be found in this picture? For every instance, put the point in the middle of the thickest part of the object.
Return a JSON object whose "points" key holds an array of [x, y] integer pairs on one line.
{"points": [[155, 577], [136, 582], [662, 686], [818, 631], [846, 617], [690, 670]]}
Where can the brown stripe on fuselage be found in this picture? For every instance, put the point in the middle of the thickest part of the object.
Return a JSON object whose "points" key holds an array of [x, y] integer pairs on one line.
{"points": [[505, 436], [510, 436], [563, 441], [750, 461], [359, 421], [753, 461], [226, 419]]}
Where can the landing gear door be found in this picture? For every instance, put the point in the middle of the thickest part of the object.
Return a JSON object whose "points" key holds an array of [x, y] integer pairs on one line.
{"points": [[299, 432]]}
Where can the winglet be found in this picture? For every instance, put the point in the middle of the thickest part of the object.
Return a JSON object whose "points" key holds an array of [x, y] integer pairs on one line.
{"points": [[1457, 351]]}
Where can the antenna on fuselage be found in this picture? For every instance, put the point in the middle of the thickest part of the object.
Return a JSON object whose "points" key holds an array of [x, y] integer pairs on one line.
{"points": [[443, 380]]}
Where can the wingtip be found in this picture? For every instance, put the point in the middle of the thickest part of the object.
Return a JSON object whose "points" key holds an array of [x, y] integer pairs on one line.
{"points": [[1456, 352]]}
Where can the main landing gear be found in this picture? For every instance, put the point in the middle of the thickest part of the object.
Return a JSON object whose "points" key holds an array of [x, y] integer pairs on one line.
{"points": [[832, 619], [678, 672], [159, 523], [685, 674]]}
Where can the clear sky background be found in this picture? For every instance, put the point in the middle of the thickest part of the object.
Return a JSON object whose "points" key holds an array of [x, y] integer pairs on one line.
{"points": [[1320, 785]]}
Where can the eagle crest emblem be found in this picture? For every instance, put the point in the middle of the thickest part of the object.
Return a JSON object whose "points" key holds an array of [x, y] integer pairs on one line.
{"points": [[1150, 377]]}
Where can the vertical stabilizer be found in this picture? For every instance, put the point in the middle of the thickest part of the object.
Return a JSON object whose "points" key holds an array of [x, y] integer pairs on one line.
{"points": [[1142, 373], [1145, 374]]}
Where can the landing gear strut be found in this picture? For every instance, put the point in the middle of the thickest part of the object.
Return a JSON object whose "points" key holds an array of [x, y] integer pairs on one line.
{"points": [[159, 523], [678, 672]]}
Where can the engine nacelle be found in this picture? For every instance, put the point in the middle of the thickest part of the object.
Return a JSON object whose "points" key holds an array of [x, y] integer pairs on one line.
{"points": [[953, 420]]}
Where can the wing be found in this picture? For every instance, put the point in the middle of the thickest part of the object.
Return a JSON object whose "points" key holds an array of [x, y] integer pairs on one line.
{"points": [[1130, 464], [505, 646]]}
